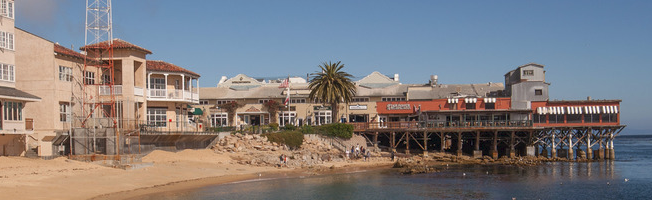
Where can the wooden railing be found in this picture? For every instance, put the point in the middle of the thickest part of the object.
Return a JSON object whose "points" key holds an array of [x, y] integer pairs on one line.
{"points": [[362, 126]]}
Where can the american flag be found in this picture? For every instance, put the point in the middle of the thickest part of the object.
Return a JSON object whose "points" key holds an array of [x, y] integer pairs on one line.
{"points": [[285, 83]]}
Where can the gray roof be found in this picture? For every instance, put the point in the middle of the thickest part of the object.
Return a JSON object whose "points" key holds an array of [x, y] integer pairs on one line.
{"points": [[392, 90], [261, 92], [13, 93], [457, 90]]}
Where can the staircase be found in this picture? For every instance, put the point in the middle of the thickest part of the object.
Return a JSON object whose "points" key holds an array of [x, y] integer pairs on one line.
{"points": [[31, 153]]}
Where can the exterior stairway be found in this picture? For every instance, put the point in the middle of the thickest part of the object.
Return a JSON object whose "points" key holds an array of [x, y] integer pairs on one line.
{"points": [[31, 153]]}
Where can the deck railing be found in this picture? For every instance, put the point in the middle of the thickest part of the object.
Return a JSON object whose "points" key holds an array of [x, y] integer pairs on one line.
{"points": [[361, 126]]}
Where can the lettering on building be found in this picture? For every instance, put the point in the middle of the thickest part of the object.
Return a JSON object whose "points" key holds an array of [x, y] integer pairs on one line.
{"points": [[398, 107]]}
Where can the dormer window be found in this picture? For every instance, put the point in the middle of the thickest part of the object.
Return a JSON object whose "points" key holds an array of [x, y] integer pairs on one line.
{"points": [[528, 72]]}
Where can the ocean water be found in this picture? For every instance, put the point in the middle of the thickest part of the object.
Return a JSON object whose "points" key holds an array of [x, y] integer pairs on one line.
{"points": [[559, 180]]}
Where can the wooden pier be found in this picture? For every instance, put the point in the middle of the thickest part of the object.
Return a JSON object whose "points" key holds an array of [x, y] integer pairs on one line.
{"points": [[494, 138]]}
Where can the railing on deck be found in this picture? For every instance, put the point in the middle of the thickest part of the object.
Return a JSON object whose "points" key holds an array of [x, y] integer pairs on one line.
{"points": [[106, 90], [138, 91], [361, 126], [165, 94]]}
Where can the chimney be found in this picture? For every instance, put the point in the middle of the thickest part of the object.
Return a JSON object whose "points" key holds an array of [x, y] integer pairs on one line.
{"points": [[433, 80], [396, 77], [222, 80], [588, 98]]}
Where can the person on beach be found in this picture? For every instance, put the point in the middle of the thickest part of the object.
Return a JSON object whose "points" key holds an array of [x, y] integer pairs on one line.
{"points": [[347, 154], [285, 160], [367, 156], [352, 151], [281, 158], [357, 150]]}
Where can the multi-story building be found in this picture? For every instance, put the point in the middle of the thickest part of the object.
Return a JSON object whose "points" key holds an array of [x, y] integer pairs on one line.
{"points": [[15, 125], [151, 94]]}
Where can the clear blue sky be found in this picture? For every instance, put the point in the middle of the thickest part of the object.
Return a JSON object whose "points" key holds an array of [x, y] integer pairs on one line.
{"points": [[600, 49]]}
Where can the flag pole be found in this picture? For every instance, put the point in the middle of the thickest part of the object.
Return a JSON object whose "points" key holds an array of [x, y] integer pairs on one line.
{"points": [[289, 99]]}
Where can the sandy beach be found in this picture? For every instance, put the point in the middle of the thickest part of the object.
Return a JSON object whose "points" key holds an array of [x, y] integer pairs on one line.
{"points": [[24, 178]]}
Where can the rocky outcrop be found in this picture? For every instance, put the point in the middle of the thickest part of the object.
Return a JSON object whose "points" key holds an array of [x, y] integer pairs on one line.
{"points": [[256, 150]]}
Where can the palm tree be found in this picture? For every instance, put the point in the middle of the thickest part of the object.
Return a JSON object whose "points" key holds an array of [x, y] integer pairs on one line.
{"points": [[332, 86]]}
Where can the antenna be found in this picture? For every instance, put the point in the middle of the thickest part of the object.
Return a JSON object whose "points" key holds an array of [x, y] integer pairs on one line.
{"points": [[98, 105]]}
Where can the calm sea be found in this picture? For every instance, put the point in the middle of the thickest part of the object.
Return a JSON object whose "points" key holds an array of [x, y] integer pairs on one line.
{"points": [[596, 180]]}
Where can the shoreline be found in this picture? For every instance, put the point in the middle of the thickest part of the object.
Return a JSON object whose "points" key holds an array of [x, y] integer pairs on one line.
{"points": [[189, 185]]}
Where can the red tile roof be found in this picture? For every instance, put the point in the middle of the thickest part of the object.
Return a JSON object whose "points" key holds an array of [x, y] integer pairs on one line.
{"points": [[117, 44], [60, 50], [161, 66]]}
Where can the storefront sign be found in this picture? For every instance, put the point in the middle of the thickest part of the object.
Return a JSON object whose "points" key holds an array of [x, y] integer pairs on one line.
{"points": [[358, 107], [398, 107], [321, 107]]}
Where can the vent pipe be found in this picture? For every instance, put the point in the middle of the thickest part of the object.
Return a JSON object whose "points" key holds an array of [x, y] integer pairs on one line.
{"points": [[433, 80]]}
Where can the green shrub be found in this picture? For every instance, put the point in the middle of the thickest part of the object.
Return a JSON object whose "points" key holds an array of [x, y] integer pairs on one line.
{"points": [[273, 126], [290, 127], [292, 139], [307, 129], [339, 130]]}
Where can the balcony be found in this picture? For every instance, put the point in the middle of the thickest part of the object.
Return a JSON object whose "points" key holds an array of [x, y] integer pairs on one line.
{"points": [[172, 95], [138, 91], [106, 90]]}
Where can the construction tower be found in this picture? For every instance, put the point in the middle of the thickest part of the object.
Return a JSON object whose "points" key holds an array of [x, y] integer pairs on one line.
{"points": [[95, 127]]}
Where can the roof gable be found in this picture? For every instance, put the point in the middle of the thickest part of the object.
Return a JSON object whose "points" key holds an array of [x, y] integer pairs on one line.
{"points": [[117, 44], [161, 66], [241, 81]]}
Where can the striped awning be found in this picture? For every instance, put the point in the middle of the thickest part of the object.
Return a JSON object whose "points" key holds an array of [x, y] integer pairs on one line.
{"points": [[577, 110], [489, 100], [470, 100], [453, 100]]}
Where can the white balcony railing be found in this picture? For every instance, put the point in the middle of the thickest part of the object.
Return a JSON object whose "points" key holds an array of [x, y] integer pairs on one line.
{"points": [[106, 90], [174, 95], [139, 91]]}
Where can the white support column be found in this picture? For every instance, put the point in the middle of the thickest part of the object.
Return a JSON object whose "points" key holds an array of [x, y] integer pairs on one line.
{"points": [[183, 87], [166, 85], [148, 82]]}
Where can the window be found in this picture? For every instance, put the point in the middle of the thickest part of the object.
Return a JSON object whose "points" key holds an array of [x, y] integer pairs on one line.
{"points": [[6, 72], [157, 117], [203, 102], [360, 99], [13, 111], [393, 99], [64, 111], [65, 73], [6, 40], [539, 118], [611, 117], [323, 117], [89, 78], [287, 118], [220, 102], [219, 119], [157, 87], [470, 106], [8, 8], [556, 118], [106, 78], [490, 106], [261, 101], [538, 92], [573, 118], [293, 101], [528, 72]]}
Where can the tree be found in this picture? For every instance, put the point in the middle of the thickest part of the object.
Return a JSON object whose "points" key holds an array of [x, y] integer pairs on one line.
{"points": [[332, 86], [272, 108], [230, 108]]}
